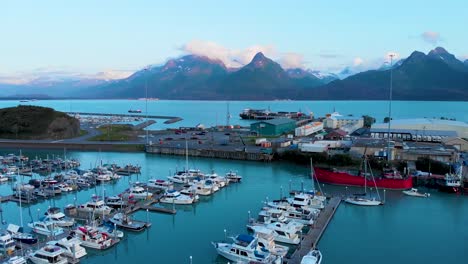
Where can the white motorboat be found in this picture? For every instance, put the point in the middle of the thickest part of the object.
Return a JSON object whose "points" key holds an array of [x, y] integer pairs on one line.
{"points": [[414, 192], [304, 200], [283, 233], [138, 192], [313, 257], [48, 255], [54, 215], [17, 234], [96, 206], [160, 184], [71, 246], [126, 222], [111, 230], [71, 175], [182, 178], [46, 228], [233, 176], [83, 183], [7, 244], [64, 187], [266, 239], [245, 249], [363, 201], [16, 260], [3, 178], [93, 238], [175, 197], [218, 180], [297, 214], [105, 177]]}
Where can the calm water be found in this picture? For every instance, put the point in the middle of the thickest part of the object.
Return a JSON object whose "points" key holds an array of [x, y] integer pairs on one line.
{"points": [[214, 112], [405, 230]]}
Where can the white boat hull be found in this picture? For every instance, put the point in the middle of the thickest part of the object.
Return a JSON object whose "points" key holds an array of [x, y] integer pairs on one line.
{"points": [[416, 194], [175, 201], [363, 202]]}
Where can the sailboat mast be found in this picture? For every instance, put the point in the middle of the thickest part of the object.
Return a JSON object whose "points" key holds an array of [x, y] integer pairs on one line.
{"points": [[186, 155], [365, 174], [20, 198]]}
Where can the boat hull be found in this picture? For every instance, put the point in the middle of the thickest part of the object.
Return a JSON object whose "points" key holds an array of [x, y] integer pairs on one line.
{"points": [[344, 178], [363, 203]]}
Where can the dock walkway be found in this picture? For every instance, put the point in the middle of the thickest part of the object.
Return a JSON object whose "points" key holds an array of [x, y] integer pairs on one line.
{"points": [[311, 239]]}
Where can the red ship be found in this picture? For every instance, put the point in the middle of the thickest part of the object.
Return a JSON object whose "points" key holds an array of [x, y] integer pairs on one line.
{"points": [[388, 181]]}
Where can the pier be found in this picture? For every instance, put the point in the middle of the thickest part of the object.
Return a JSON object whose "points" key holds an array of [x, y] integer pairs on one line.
{"points": [[209, 153], [311, 239], [170, 119]]}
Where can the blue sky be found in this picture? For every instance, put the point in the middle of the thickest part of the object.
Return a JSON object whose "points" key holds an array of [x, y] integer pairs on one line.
{"points": [[107, 35]]}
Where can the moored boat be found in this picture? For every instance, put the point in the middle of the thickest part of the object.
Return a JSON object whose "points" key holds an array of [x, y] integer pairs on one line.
{"points": [[93, 238], [313, 257], [126, 222], [48, 255], [46, 228], [348, 179], [414, 192]]}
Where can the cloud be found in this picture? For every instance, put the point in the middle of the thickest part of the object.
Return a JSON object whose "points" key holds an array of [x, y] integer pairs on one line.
{"points": [[431, 37], [358, 61], [234, 58], [292, 60], [60, 74]]}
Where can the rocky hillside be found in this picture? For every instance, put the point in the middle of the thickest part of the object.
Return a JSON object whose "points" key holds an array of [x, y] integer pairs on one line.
{"points": [[34, 122]]}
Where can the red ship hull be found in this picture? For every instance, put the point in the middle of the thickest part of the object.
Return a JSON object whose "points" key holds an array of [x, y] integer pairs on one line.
{"points": [[344, 178]]}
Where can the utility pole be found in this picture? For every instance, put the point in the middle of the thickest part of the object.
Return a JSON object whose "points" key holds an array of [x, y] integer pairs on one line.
{"points": [[146, 103], [390, 107]]}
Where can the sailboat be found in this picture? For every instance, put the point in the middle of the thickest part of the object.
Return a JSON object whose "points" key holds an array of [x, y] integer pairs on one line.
{"points": [[183, 177], [363, 200]]}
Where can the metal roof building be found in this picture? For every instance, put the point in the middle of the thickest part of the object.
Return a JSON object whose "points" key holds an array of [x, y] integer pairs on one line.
{"points": [[422, 125]]}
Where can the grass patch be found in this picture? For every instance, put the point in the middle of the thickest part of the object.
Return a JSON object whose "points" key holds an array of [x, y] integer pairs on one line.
{"points": [[118, 132], [83, 132]]}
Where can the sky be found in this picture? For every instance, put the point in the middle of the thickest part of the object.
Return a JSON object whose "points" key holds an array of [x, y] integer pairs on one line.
{"points": [[112, 38]]}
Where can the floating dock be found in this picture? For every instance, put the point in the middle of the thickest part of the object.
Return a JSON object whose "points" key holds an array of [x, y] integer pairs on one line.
{"points": [[311, 239]]}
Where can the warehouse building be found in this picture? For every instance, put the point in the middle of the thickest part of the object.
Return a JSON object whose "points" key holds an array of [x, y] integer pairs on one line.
{"points": [[273, 127], [421, 125]]}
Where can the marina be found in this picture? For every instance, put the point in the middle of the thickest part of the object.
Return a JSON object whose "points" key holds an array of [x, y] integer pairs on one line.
{"points": [[259, 180]]}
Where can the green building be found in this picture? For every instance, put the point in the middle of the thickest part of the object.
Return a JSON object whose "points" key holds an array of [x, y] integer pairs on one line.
{"points": [[273, 127]]}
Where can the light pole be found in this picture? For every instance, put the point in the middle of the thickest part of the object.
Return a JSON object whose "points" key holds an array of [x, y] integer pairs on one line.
{"points": [[390, 106], [146, 102]]}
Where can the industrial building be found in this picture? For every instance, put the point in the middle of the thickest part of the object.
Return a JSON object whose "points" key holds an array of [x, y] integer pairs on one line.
{"points": [[412, 135], [273, 127], [308, 129], [336, 120], [421, 126]]}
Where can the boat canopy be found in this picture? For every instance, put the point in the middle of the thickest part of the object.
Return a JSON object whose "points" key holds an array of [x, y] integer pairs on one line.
{"points": [[245, 238]]}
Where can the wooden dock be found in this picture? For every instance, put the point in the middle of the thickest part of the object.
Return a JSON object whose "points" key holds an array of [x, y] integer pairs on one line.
{"points": [[311, 239]]}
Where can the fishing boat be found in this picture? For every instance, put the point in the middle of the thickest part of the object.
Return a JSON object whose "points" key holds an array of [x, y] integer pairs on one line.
{"points": [[46, 228], [337, 177], [7, 244], [115, 202], [414, 192], [451, 182], [284, 233], [313, 257], [48, 255], [71, 247], [244, 249], [54, 215], [93, 238], [233, 176], [126, 222], [175, 197], [160, 184]]}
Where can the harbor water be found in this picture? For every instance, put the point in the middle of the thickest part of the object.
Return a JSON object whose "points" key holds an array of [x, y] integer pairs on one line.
{"points": [[404, 230], [210, 113]]}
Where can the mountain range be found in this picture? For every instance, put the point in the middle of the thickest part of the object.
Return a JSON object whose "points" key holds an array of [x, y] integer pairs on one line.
{"points": [[438, 75]]}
